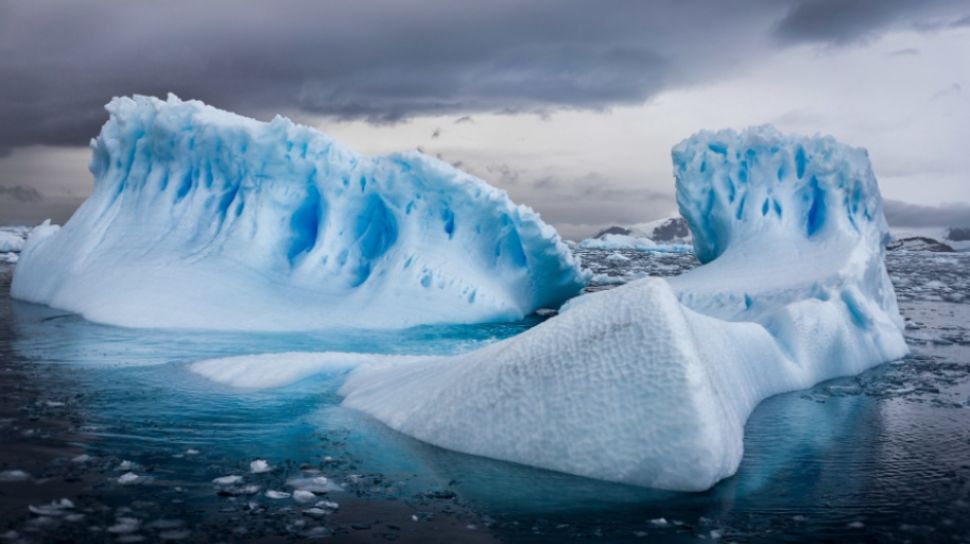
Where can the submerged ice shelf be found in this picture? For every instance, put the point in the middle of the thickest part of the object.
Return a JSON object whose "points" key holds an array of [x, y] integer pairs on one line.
{"points": [[205, 219], [651, 383]]}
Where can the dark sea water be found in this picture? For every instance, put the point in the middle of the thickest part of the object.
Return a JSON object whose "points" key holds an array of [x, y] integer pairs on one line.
{"points": [[112, 421]]}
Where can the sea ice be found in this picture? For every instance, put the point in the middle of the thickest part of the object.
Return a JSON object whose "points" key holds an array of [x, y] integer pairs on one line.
{"points": [[232, 479], [651, 383], [273, 494], [303, 496], [10, 241], [205, 219], [259, 466], [128, 478], [13, 475]]}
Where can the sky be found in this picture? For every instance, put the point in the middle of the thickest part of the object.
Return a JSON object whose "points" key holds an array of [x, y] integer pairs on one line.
{"points": [[571, 106]]}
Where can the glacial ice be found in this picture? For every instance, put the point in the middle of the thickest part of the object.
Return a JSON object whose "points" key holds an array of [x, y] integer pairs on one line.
{"points": [[205, 219], [651, 383], [631, 243], [10, 241]]}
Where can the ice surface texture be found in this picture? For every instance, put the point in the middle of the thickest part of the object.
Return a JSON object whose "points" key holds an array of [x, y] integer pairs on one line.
{"points": [[204, 219], [651, 383]]}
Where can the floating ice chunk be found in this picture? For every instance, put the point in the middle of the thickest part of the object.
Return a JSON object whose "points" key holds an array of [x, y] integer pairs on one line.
{"points": [[13, 475], [317, 484], [618, 241], [128, 478], [228, 480], [651, 383], [125, 525], [259, 466], [10, 241], [304, 496], [193, 206], [127, 465], [617, 258], [273, 494], [53, 509]]}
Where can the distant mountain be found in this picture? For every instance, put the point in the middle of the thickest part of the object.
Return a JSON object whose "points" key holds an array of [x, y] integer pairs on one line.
{"points": [[960, 234], [930, 239], [669, 230], [612, 230], [919, 243]]}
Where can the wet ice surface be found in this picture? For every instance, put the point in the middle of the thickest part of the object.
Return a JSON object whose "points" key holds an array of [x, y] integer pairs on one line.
{"points": [[142, 449]]}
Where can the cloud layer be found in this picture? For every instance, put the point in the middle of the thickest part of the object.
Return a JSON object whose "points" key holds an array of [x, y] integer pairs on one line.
{"points": [[385, 60]]}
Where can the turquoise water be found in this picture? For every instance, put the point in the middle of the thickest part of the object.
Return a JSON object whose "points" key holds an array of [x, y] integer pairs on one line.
{"points": [[885, 455]]}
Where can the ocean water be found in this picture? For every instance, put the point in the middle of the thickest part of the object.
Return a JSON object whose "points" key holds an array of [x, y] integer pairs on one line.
{"points": [[112, 420]]}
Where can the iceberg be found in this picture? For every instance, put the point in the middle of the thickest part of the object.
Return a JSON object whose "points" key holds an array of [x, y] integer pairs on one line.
{"points": [[651, 383], [201, 218], [11, 240]]}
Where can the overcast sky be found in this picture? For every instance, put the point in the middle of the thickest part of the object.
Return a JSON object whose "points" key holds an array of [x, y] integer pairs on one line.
{"points": [[572, 106]]}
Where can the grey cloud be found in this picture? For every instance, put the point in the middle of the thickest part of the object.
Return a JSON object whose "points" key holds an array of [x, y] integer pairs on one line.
{"points": [[60, 61], [502, 173], [464, 119], [953, 89], [908, 52], [20, 193], [904, 214], [847, 21]]}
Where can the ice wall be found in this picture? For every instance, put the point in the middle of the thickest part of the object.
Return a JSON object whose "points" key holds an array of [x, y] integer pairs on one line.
{"points": [[201, 218], [651, 383]]}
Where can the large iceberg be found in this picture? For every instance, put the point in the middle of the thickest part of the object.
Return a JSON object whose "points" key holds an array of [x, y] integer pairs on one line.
{"points": [[205, 219], [651, 383]]}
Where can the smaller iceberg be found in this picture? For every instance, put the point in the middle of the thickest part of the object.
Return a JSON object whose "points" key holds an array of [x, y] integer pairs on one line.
{"points": [[651, 383], [201, 218]]}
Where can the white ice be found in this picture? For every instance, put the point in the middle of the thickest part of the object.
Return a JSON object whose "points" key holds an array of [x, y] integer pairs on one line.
{"points": [[204, 219], [651, 383], [630, 243], [278, 369]]}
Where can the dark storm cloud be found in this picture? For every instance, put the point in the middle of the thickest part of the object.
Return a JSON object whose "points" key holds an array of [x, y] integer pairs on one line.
{"points": [[387, 60], [904, 214], [383, 61], [846, 21], [19, 193]]}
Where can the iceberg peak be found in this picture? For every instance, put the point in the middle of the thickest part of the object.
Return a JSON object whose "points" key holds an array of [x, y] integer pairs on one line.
{"points": [[733, 187]]}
